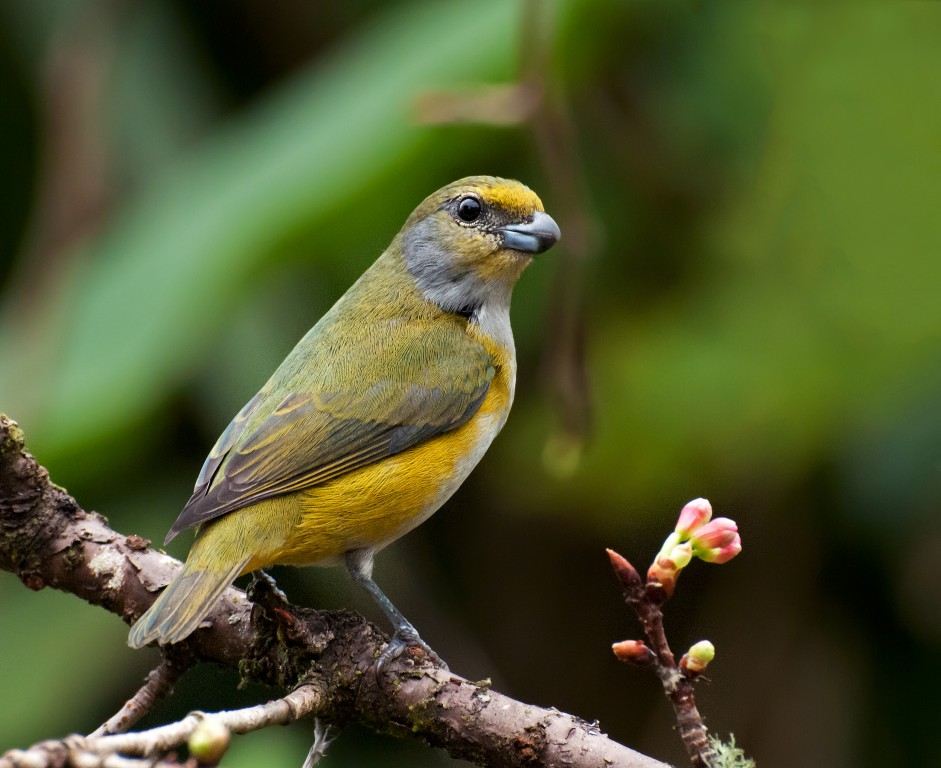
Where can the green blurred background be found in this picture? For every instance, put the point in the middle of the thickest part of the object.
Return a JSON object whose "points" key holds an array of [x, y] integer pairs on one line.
{"points": [[746, 306]]}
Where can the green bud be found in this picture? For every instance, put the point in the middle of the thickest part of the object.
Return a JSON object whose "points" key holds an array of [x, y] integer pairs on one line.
{"points": [[209, 742], [697, 658]]}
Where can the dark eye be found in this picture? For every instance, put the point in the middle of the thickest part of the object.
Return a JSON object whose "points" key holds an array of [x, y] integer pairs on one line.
{"points": [[469, 209]]}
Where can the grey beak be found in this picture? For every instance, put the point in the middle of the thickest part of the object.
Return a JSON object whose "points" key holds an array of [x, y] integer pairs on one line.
{"points": [[534, 237]]}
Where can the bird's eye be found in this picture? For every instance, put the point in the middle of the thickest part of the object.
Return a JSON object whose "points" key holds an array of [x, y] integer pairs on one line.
{"points": [[469, 209]]}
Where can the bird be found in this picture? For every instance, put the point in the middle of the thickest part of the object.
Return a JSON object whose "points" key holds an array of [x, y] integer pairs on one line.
{"points": [[375, 418]]}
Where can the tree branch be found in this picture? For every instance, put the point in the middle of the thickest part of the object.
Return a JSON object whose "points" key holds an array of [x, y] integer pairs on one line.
{"points": [[47, 539]]}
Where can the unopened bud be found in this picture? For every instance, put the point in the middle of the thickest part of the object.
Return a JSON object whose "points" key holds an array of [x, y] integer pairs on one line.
{"points": [[209, 742], [695, 514], [626, 573], [697, 658], [717, 541], [633, 652]]}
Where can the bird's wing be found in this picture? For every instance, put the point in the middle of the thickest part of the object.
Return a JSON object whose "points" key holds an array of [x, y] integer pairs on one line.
{"points": [[414, 384]]}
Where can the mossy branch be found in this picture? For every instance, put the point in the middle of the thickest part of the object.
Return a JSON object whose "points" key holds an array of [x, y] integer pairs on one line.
{"points": [[47, 539]]}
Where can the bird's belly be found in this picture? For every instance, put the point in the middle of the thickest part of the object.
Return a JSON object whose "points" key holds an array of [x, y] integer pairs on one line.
{"points": [[372, 506]]}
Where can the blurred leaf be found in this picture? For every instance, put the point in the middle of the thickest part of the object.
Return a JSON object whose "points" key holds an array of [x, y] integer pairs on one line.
{"points": [[161, 98]]}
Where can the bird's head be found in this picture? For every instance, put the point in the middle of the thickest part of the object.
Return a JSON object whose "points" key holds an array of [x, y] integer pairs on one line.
{"points": [[467, 244]]}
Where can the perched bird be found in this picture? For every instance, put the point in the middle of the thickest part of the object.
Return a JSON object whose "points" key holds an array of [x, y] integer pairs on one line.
{"points": [[377, 415]]}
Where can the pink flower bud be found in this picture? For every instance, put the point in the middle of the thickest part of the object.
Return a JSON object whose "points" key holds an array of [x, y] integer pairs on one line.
{"points": [[697, 658], [717, 541], [633, 652], [694, 515]]}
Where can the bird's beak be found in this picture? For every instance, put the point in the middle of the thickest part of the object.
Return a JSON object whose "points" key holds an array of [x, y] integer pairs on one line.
{"points": [[537, 236]]}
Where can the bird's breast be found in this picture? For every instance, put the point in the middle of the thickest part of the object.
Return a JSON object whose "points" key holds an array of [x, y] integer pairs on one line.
{"points": [[372, 506]]}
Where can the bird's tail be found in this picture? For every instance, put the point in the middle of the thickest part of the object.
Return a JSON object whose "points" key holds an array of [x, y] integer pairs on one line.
{"points": [[185, 602]]}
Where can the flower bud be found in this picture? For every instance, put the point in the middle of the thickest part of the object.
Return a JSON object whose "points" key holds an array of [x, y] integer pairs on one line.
{"points": [[695, 514], [633, 652], [666, 568], [681, 555], [626, 573], [697, 658], [717, 541], [209, 742]]}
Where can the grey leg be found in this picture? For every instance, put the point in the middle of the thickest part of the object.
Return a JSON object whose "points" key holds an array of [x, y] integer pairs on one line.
{"points": [[359, 564]]}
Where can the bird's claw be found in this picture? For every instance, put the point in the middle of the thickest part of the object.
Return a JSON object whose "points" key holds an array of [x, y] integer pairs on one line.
{"points": [[405, 637]]}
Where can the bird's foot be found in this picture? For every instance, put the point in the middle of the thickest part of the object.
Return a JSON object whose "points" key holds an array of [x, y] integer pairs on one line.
{"points": [[264, 586], [406, 638], [265, 595], [264, 590]]}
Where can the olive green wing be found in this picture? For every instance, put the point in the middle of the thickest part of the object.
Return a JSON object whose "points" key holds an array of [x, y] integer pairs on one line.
{"points": [[413, 386]]}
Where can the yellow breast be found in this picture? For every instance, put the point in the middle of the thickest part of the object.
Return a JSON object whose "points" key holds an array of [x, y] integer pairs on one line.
{"points": [[372, 506]]}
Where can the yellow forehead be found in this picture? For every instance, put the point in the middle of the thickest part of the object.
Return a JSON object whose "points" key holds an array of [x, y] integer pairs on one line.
{"points": [[511, 196]]}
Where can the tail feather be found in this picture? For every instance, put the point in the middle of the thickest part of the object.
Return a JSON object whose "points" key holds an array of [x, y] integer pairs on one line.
{"points": [[183, 605]]}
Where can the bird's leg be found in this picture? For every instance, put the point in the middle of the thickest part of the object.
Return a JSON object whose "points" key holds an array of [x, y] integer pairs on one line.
{"points": [[359, 564], [263, 588]]}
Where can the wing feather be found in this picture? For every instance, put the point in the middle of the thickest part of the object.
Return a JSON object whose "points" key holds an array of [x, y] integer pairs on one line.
{"points": [[418, 384]]}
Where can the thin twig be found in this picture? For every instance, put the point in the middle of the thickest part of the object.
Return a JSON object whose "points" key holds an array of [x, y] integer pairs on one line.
{"points": [[646, 600], [298, 703], [159, 683], [324, 736], [97, 750]]}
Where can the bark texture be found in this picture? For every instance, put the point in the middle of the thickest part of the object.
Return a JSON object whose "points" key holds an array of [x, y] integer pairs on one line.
{"points": [[48, 540]]}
